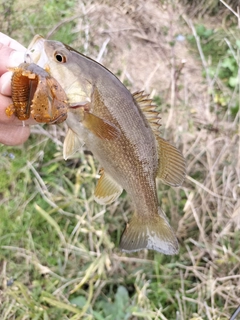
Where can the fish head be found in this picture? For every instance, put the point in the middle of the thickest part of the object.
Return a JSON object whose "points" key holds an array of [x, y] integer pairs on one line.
{"points": [[64, 64], [49, 54]]}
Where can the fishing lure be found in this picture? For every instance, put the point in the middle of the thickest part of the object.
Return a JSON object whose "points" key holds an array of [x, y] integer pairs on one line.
{"points": [[36, 93]]}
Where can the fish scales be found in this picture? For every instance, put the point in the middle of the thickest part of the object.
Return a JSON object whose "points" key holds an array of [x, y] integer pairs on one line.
{"points": [[131, 155]]}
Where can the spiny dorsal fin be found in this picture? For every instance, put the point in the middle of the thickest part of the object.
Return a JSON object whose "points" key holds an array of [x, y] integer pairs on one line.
{"points": [[148, 109]]}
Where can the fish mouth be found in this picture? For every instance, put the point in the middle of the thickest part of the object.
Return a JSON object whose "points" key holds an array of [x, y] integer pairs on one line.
{"points": [[36, 51]]}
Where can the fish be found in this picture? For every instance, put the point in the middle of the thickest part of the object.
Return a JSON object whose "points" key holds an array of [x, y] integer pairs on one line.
{"points": [[35, 93], [121, 129]]}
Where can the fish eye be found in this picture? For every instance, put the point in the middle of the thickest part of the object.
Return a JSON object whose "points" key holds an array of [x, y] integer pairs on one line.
{"points": [[60, 57]]}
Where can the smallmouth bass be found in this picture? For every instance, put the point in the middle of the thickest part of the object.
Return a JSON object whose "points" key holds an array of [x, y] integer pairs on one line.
{"points": [[122, 131], [35, 93]]}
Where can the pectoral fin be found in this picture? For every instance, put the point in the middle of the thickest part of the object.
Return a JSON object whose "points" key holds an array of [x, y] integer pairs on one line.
{"points": [[101, 128], [107, 190], [151, 232], [71, 144], [172, 166]]}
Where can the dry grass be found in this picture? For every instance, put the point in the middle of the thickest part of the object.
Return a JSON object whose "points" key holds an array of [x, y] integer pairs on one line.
{"points": [[138, 41]]}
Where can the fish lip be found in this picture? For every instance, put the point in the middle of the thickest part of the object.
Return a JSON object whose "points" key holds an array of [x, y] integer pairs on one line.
{"points": [[35, 50]]}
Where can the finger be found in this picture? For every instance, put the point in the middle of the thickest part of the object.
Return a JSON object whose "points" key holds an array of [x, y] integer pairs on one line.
{"points": [[9, 42], [5, 84], [13, 120], [9, 58], [4, 103], [13, 135]]}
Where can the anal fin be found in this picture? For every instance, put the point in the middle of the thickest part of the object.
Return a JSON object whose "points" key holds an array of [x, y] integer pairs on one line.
{"points": [[172, 165], [107, 190]]}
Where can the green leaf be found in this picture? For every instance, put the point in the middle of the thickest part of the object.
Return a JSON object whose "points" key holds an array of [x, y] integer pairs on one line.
{"points": [[121, 297], [229, 63], [238, 43], [98, 316], [233, 81], [79, 301], [203, 32], [120, 308]]}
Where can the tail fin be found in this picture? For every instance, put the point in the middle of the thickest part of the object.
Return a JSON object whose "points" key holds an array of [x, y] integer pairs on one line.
{"points": [[153, 232]]}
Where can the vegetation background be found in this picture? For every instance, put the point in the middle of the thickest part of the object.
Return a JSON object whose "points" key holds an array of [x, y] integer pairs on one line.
{"points": [[59, 255]]}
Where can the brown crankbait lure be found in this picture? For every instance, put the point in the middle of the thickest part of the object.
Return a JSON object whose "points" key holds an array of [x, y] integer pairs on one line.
{"points": [[36, 93]]}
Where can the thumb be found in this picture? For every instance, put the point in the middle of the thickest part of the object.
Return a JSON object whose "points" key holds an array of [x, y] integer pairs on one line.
{"points": [[9, 58]]}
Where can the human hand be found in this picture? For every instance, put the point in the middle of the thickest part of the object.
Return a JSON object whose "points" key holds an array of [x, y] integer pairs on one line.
{"points": [[12, 131]]}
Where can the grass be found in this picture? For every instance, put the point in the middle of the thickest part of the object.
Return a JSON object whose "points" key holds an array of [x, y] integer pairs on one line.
{"points": [[59, 255]]}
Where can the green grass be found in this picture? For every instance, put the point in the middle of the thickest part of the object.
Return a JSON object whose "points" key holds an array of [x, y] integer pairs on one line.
{"points": [[59, 249], [59, 255], [50, 18]]}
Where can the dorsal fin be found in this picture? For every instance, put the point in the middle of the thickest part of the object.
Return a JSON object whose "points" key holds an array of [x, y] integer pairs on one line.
{"points": [[172, 165], [148, 109]]}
